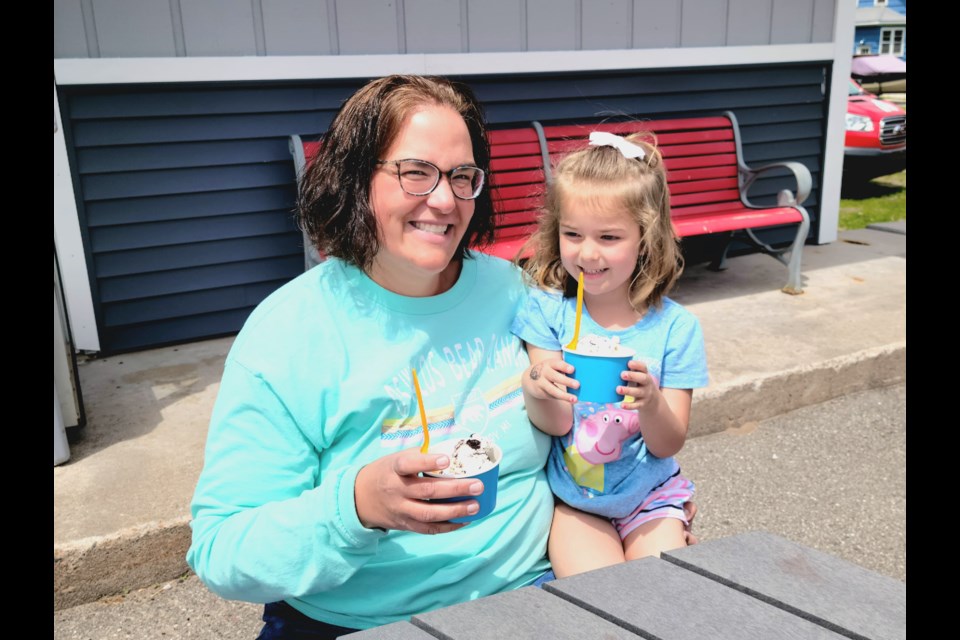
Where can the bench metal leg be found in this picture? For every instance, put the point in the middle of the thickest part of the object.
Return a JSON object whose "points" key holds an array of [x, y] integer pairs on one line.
{"points": [[794, 279], [794, 284], [720, 262]]}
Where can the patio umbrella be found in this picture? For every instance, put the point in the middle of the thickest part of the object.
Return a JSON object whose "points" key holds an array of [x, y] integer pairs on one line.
{"points": [[880, 70], [884, 65]]}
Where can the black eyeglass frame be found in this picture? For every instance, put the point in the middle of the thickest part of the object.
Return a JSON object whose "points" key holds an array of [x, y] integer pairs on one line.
{"points": [[440, 173]]}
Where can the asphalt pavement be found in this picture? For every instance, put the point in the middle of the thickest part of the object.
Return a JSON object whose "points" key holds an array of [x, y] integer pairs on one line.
{"points": [[831, 476]]}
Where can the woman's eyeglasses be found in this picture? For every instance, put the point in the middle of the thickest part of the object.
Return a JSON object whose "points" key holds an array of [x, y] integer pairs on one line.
{"points": [[419, 178]]}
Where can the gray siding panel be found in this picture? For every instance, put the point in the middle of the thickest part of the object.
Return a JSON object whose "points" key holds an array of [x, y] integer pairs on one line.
{"points": [[179, 155], [592, 89], [162, 234], [623, 106], [199, 279], [749, 22], [824, 14], [792, 21], [201, 101], [704, 23], [368, 27], [69, 36], [166, 28], [185, 256], [188, 213], [552, 25], [432, 26], [497, 25], [133, 28], [656, 23], [186, 206], [607, 24], [189, 180], [130, 337], [195, 303], [231, 127], [297, 27], [218, 28]]}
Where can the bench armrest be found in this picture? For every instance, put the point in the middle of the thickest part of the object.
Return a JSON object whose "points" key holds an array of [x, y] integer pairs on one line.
{"points": [[800, 173], [295, 145]]}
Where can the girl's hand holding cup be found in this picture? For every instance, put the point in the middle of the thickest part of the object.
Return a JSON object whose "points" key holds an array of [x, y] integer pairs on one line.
{"points": [[551, 379], [642, 390]]}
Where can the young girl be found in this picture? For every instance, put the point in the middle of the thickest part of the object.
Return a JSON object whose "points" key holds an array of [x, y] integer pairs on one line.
{"points": [[607, 216]]}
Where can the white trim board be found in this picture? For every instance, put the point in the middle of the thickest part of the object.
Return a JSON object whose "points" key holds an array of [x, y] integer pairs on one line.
{"points": [[93, 71], [69, 244], [831, 177]]}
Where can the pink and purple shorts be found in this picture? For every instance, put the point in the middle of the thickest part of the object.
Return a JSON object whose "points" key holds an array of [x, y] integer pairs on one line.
{"points": [[666, 501]]}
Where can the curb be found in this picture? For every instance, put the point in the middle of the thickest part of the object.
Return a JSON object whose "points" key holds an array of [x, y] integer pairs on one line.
{"points": [[89, 569], [734, 403], [94, 568], [899, 227]]}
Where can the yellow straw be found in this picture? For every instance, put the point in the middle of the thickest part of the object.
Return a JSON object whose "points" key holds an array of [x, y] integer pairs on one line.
{"points": [[572, 345], [423, 415]]}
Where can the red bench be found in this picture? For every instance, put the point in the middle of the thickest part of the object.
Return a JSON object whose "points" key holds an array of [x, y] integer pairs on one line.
{"points": [[708, 180]]}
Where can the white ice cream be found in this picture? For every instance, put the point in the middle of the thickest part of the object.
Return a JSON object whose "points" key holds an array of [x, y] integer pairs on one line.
{"points": [[594, 345], [470, 456]]}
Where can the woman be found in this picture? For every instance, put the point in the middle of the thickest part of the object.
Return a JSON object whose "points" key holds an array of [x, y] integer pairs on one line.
{"points": [[310, 497]]}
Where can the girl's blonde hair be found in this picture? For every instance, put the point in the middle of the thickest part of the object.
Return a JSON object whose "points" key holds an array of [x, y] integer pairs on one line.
{"points": [[604, 175]]}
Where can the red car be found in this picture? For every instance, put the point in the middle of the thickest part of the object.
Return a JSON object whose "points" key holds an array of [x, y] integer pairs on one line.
{"points": [[876, 138]]}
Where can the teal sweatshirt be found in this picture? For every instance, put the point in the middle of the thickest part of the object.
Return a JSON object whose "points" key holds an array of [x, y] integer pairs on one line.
{"points": [[317, 384]]}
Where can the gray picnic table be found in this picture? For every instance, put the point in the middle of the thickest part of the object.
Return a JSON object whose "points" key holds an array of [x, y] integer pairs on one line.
{"points": [[752, 586]]}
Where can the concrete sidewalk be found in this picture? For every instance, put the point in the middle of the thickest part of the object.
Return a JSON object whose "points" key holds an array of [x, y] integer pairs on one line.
{"points": [[121, 503]]}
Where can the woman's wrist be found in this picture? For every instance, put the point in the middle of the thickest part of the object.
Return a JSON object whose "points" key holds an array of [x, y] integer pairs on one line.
{"points": [[361, 502]]}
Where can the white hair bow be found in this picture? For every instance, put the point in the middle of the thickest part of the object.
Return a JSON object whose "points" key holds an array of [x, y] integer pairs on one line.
{"points": [[627, 148]]}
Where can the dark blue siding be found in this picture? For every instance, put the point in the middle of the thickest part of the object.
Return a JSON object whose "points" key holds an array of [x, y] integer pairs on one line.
{"points": [[187, 192]]}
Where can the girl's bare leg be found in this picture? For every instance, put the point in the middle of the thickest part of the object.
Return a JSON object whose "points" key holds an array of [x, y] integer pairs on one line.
{"points": [[581, 542], [653, 537]]}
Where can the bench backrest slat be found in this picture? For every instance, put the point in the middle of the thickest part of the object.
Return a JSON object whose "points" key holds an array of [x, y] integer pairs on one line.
{"points": [[502, 167], [679, 213], [519, 204], [678, 176], [718, 197], [521, 232], [504, 137], [700, 186], [525, 190], [507, 150]]}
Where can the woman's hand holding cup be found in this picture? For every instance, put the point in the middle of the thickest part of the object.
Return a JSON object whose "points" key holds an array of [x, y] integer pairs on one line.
{"points": [[391, 494]]}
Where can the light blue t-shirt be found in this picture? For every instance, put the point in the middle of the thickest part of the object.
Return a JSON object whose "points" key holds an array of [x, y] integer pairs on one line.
{"points": [[318, 384], [602, 465]]}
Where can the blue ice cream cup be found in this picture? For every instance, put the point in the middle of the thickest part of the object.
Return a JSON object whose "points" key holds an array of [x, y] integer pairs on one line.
{"points": [[598, 374], [488, 474]]}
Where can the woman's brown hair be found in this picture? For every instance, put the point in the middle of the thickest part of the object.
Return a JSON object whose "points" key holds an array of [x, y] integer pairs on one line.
{"points": [[333, 202]]}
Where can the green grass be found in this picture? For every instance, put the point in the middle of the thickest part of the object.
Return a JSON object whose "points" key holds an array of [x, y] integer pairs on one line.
{"points": [[882, 199]]}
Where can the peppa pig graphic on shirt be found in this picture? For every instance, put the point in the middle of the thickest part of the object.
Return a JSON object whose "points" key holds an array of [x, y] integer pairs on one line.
{"points": [[600, 436]]}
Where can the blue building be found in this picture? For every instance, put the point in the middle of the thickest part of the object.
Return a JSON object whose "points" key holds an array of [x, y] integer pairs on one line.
{"points": [[881, 28], [174, 188]]}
